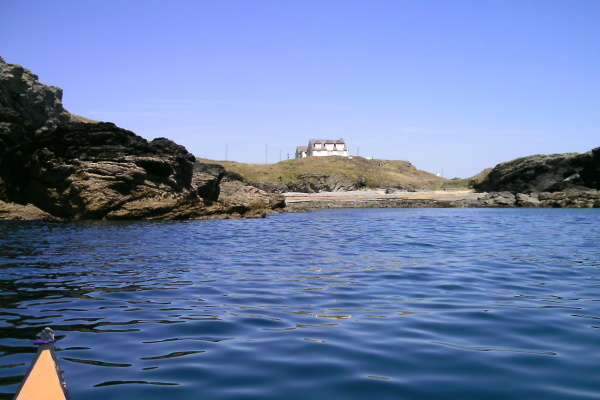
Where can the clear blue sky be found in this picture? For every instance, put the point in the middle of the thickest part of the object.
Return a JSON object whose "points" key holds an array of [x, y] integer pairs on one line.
{"points": [[452, 85]]}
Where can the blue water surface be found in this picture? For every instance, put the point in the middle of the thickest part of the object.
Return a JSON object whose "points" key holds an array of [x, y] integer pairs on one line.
{"points": [[339, 304]]}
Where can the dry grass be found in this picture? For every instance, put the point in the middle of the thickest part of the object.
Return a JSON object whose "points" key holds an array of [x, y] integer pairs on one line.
{"points": [[461, 183], [375, 173], [84, 119]]}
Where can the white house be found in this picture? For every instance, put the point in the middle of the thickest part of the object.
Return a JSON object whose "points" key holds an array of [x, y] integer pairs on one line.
{"points": [[318, 147], [301, 151]]}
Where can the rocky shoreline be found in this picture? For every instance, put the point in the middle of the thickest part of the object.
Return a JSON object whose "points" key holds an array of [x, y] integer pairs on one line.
{"points": [[300, 202]]}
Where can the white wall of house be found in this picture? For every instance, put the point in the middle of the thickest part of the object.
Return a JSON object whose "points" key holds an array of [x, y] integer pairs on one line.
{"points": [[329, 153]]}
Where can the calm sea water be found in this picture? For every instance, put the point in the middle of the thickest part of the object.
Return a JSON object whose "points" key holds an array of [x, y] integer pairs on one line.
{"points": [[340, 304]]}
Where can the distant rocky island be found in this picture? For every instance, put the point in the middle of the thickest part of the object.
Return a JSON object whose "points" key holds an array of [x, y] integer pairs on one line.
{"points": [[58, 166]]}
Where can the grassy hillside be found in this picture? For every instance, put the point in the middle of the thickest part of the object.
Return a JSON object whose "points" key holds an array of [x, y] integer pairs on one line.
{"points": [[375, 173]]}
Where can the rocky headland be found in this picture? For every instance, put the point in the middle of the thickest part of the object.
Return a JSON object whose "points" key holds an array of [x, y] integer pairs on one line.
{"points": [[55, 166]]}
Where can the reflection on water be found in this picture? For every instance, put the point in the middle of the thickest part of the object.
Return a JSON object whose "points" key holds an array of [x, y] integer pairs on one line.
{"points": [[348, 304]]}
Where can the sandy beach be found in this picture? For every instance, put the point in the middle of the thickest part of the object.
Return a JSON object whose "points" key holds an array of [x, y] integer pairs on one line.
{"points": [[381, 195]]}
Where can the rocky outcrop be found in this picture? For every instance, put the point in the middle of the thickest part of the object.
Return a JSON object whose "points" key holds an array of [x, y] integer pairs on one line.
{"points": [[571, 198], [312, 183], [52, 162], [545, 173], [557, 180]]}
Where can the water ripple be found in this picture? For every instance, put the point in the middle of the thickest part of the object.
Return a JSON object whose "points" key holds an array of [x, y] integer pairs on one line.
{"points": [[341, 304]]}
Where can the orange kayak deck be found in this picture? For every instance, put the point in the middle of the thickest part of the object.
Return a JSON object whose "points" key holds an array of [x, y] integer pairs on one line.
{"points": [[44, 379]]}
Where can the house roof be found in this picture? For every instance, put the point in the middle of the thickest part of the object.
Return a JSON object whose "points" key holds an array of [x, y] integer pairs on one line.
{"points": [[302, 148], [312, 142]]}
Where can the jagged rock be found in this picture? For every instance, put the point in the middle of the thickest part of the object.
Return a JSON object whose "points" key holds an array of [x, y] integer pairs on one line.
{"points": [[77, 170], [545, 173], [38, 104]]}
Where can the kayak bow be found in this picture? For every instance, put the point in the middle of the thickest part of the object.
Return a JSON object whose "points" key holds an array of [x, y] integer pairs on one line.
{"points": [[44, 379]]}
